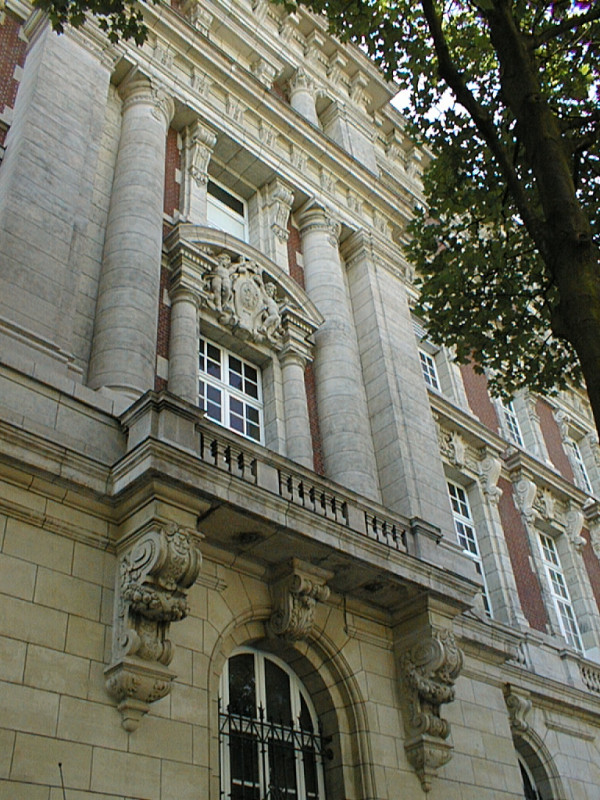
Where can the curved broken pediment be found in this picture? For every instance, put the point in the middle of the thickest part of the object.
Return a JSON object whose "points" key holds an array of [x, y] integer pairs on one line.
{"points": [[239, 287]]}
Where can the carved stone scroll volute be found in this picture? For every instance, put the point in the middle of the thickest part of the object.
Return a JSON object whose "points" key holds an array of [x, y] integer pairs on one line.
{"points": [[429, 669], [154, 572], [295, 591]]}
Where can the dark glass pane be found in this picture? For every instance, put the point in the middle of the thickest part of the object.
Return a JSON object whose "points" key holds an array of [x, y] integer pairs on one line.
{"points": [[242, 685], [251, 389], [305, 720], [252, 414], [236, 423], [253, 432], [213, 394], [529, 792], [235, 365], [277, 684], [236, 407], [282, 772], [227, 199], [310, 773], [235, 380], [213, 411]]}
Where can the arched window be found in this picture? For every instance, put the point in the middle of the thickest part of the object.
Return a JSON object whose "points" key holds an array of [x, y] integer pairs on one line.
{"points": [[270, 741], [530, 791]]}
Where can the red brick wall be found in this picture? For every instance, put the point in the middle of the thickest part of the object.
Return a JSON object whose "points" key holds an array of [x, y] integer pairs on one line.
{"points": [[528, 586], [12, 54], [172, 163], [297, 273], [552, 437], [164, 327], [478, 397], [592, 565]]}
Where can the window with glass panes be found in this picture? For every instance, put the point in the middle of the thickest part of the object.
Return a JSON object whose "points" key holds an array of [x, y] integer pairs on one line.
{"points": [[465, 532], [270, 741], [429, 370], [512, 423], [559, 592], [581, 474], [229, 390]]}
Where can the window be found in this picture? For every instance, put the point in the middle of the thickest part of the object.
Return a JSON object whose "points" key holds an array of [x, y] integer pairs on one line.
{"points": [[513, 429], [226, 211], [229, 390], [559, 592], [529, 788], [465, 532], [582, 479], [429, 370], [270, 742]]}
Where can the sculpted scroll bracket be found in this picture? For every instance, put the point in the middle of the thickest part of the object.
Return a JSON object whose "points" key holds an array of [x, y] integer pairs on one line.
{"points": [[429, 669], [295, 592], [154, 573]]}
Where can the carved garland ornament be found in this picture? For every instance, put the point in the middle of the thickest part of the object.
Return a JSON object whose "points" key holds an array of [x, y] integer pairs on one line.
{"points": [[153, 576], [430, 669]]}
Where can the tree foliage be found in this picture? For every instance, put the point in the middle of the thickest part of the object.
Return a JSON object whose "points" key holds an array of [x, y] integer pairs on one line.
{"points": [[505, 93], [121, 19]]}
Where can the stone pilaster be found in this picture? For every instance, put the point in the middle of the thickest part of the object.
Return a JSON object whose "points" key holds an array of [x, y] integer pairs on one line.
{"points": [[302, 96], [183, 345], [124, 344], [198, 146], [343, 413]]}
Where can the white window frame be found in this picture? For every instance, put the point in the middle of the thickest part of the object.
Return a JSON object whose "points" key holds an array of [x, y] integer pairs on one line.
{"points": [[511, 423], [466, 534], [582, 478], [429, 370], [559, 591], [297, 690], [230, 215], [230, 395]]}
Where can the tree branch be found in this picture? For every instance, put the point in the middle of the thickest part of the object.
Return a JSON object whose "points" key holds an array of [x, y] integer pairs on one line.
{"points": [[457, 83], [552, 31]]}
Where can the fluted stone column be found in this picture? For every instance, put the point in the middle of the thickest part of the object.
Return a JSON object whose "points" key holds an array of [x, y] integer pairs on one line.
{"points": [[124, 346], [343, 414], [183, 345], [302, 96], [297, 424]]}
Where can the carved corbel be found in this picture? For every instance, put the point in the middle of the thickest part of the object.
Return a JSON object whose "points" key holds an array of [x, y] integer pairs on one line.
{"points": [[295, 592], [153, 575], [201, 143], [429, 669], [592, 519], [489, 474], [280, 199], [518, 707], [573, 526], [525, 491]]}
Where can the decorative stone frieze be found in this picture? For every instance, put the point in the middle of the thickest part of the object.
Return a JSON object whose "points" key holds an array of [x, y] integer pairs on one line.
{"points": [[295, 591], [518, 706], [429, 670], [336, 68], [298, 158], [200, 82], [358, 93], [263, 70], [545, 504], [154, 572], [266, 133], [327, 180], [234, 110], [197, 14], [201, 143]]}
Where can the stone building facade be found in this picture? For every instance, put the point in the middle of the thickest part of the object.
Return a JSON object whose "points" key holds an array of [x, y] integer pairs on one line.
{"points": [[259, 538]]}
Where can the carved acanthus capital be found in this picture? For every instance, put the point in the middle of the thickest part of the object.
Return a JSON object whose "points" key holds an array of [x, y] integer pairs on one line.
{"points": [[518, 706], [429, 669], [280, 199], [489, 474], [154, 573], [295, 593], [139, 90], [314, 217], [201, 142], [301, 81]]}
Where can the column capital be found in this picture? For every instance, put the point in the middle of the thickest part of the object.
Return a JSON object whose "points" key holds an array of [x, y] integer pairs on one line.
{"points": [[140, 90], [301, 81], [316, 217]]}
